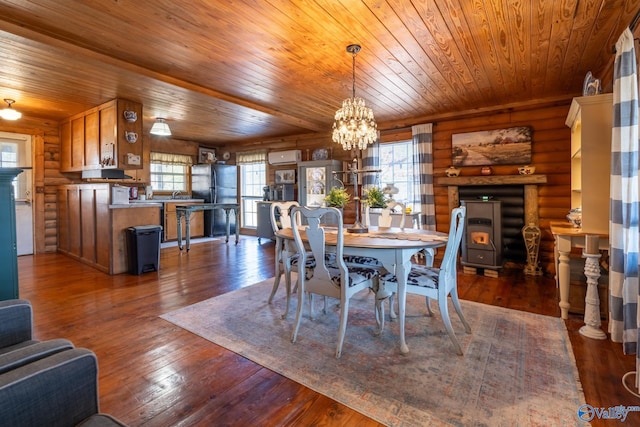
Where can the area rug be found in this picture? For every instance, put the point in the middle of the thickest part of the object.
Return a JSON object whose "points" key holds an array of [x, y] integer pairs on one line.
{"points": [[518, 368]]}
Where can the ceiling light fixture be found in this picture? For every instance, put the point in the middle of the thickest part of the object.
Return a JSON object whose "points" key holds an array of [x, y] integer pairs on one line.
{"points": [[160, 128], [354, 125], [9, 113]]}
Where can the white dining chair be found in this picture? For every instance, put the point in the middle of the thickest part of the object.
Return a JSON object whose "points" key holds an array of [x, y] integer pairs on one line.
{"points": [[435, 283], [281, 219], [287, 257], [329, 279]]}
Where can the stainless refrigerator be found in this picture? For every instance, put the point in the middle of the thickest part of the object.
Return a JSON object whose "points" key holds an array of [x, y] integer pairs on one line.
{"points": [[216, 183]]}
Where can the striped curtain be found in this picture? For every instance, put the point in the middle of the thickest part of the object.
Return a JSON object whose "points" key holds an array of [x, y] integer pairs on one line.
{"points": [[371, 160], [422, 136], [623, 226]]}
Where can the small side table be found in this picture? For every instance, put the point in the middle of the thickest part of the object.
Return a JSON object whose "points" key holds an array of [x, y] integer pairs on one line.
{"points": [[567, 236]]}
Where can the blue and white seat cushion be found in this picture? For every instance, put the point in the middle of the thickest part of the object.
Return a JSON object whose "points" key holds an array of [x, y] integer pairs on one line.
{"points": [[356, 275], [358, 260], [330, 258], [426, 277]]}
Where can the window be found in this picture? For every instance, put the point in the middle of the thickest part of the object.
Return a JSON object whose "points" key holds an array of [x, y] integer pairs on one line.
{"points": [[253, 177], [170, 172], [396, 163], [16, 153]]}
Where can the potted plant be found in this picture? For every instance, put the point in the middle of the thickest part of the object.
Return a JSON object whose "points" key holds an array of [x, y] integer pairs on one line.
{"points": [[375, 198], [337, 197]]}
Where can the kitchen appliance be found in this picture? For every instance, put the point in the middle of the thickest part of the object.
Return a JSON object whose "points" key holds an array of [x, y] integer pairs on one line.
{"points": [[119, 195], [215, 183], [282, 192]]}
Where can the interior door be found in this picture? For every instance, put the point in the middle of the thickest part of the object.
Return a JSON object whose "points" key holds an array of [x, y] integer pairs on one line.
{"points": [[15, 151], [24, 215]]}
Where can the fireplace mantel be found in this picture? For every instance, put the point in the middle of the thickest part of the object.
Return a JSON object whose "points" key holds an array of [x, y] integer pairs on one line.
{"points": [[491, 180], [530, 183]]}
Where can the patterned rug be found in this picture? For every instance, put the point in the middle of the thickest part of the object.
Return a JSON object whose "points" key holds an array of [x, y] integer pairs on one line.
{"points": [[518, 368]]}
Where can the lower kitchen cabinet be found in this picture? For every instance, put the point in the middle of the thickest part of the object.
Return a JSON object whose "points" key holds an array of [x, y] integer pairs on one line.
{"points": [[93, 231]]}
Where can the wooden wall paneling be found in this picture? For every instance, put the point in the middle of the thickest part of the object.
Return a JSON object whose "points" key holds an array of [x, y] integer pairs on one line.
{"points": [[75, 238], [103, 235], [63, 220], [88, 224]]}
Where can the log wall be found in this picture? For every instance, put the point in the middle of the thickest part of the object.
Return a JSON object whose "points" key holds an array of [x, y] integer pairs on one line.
{"points": [[550, 156]]}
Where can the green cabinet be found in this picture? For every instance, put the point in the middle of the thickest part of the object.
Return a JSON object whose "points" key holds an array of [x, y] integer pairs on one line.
{"points": [[8, 251]]}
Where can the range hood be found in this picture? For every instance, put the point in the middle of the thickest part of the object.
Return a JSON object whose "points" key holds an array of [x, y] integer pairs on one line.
{"points": [[104, 174]]}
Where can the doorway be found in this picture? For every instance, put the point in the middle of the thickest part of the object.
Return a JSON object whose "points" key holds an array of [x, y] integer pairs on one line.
{"points": [[15, 152]]}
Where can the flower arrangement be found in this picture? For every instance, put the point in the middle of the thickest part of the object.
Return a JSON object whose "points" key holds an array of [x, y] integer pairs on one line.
{"points": [[375, 197], [337, 197]]}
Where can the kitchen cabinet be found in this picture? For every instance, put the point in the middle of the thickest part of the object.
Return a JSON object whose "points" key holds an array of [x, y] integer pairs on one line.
{"points": [[103, 137], [93, 231], [590, 120], [171, 221], [8, 248]]}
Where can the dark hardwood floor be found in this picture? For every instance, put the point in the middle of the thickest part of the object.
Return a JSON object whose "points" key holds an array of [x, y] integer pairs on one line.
{"points": [[153, 373]]}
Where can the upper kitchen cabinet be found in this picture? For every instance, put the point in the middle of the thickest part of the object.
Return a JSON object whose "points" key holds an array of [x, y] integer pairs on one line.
{"points": [[107, 136]]}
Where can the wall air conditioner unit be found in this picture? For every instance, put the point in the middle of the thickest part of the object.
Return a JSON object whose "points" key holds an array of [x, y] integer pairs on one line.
{"points": [[285, 157]]}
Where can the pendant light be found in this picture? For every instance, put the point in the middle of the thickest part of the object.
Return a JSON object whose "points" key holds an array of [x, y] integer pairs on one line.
{"points": [[160, 128], [354, 125], [9, 113]]}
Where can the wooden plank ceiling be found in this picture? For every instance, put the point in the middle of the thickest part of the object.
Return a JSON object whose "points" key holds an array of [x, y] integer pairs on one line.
{"points": [[235, 71]]}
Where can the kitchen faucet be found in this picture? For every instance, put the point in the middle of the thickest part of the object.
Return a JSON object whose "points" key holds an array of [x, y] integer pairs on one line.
{"points": [[175, 193]]}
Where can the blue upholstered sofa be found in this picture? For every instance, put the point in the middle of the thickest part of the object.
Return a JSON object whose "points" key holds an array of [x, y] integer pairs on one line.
{"points": [[45, 383]]}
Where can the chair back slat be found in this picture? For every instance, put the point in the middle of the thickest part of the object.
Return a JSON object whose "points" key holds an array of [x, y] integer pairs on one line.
{"points": [[449, 261], [316, 240]]}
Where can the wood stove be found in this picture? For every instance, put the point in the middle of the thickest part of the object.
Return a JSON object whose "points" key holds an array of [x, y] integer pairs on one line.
{"points": [[482, 242]]}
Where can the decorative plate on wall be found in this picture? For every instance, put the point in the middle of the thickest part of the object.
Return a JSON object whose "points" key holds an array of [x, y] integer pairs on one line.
{"points": [[320, 154]]}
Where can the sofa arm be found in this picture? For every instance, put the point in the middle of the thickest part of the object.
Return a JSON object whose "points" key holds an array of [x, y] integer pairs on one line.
{"points": [[58, 391], [16, 322], [24, 355]]}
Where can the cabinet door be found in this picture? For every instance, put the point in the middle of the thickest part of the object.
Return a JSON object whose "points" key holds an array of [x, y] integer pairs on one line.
{"points": [[77, 144], [108, 135], [65, 147], [91, 140]]}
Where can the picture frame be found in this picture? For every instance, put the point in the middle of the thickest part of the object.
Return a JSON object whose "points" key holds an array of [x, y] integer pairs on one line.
{"points": [[509, 146], [286, 176], [207, 155]]}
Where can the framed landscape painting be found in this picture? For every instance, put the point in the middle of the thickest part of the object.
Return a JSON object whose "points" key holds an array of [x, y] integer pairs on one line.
{"points": [[511, 146]]}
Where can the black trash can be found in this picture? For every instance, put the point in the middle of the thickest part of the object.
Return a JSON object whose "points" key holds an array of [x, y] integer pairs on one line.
{"points": [[143, 244]]}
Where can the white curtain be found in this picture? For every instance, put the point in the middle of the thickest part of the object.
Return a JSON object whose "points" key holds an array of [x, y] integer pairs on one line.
{"points": [[422, 136], [248, 157], [624, 234]]}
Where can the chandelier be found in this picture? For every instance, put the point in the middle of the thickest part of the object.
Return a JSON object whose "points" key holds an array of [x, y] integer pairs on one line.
{"points": [[354, 125]]}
